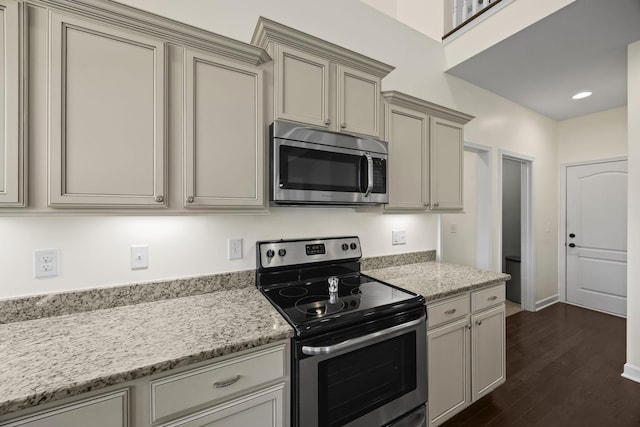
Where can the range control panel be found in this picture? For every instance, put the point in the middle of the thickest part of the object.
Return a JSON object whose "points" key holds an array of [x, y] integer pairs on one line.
{"points": [[284, 253]]}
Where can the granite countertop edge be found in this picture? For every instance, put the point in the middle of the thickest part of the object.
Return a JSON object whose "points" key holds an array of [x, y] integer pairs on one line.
{"points": [[43, 369]]}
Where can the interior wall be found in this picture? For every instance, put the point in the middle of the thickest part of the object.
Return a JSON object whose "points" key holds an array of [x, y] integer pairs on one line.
{"points": [[460, 230], [633, 227], [95, 249], [511, 208], [593, 137]]}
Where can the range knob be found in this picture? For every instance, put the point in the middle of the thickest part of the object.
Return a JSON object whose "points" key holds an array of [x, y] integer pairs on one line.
{"points": [[354, 246], [282, 252], [345, 246], [270, 253]]}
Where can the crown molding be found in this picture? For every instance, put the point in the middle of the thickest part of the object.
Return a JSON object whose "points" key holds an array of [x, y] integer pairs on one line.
{"points": [[165, 28], [268, 32], [408, 101]]}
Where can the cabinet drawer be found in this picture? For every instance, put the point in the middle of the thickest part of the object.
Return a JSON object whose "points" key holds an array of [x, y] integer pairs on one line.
{"points": [[192, 388], [487, 297], [451, 309]]}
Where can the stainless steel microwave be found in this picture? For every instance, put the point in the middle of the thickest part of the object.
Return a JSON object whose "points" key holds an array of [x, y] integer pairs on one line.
{"points": [[310, 166]]}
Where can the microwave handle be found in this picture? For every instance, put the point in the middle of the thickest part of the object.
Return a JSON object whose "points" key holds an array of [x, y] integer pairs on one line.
{"points": [[369, 175]]}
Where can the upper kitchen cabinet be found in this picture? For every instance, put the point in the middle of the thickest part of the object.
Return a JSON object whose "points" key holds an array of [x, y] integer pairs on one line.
{"points": [[425, 154], [321, 84], [224, 128], [12, 70], [107, 143]]}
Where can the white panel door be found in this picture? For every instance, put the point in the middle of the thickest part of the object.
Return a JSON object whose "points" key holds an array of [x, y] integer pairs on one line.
{"points": [[596, 250]]}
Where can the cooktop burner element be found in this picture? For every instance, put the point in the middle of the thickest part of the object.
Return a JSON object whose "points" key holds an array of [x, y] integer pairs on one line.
{"points": [[298, 277]]}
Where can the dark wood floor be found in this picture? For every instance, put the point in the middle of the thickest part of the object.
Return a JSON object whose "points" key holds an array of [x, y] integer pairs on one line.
{"points": [[563, 369]]}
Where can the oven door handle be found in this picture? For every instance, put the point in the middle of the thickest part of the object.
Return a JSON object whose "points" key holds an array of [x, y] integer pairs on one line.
{"points": [[354, 342]]}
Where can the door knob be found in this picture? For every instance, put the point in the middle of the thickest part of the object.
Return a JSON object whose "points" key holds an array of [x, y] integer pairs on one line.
{"points": [[572, 245], [572, 235]]}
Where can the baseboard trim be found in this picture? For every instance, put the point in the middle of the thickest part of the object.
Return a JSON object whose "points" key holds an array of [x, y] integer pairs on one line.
{"points": [[631, 372], [544, 303]]}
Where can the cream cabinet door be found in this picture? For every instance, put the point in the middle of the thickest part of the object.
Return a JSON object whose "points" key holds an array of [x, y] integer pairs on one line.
{"points": [[301, 87], [358, 102], [107, 116], [447, 149], [224, 153], [488, 351], [448, 368], [12, 154], [264, 408], [407, 132], [109, 410]]}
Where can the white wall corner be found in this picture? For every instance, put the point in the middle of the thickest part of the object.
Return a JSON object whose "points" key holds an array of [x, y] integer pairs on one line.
{"points": [[631, 372]]}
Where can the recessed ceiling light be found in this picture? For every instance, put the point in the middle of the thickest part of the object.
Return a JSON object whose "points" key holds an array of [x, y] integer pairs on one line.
{"points": [[581, 95]]}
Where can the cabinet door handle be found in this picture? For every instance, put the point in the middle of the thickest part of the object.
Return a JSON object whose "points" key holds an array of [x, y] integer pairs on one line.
{"points": [[343, 125], [478, 322], [436, 204], [226, 383], [427, 204], [159, 199], [492, 298], [190, 199], [327, 122], [453, 310]]}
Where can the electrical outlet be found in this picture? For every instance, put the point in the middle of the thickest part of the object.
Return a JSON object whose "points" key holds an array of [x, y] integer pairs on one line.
{"points": [[234, 248], [399, 237], [139, 257], [45, 263]]}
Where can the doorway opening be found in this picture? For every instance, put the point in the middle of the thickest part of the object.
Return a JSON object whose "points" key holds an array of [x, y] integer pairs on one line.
{"points": [[516, 229]]}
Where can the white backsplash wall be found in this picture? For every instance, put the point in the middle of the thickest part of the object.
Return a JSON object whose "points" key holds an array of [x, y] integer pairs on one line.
{"points": [[94, 251]]}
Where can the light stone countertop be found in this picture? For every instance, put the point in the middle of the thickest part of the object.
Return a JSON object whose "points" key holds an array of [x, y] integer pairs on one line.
{"points": [[51, 358], [435, 280]]}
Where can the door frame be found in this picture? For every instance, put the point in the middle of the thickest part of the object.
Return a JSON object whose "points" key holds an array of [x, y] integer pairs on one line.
{"points": [[527, 253], [562, 226]]}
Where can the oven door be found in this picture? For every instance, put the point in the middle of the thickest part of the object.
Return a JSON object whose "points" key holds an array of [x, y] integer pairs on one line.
{"points": [[303, 172], [370, 378]]}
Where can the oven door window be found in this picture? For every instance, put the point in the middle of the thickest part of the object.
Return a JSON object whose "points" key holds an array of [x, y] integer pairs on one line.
{"points": [[317, 170], [358, 382]]}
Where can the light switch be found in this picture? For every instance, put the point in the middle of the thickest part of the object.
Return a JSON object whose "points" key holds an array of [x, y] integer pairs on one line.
{"points": [[454, 228], [139, 257]]}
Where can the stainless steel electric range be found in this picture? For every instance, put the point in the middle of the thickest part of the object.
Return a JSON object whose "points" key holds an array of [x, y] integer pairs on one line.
{"points": [[359, 350]]}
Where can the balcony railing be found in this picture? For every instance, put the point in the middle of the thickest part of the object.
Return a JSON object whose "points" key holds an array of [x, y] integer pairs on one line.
{"points": [[459, 13]]}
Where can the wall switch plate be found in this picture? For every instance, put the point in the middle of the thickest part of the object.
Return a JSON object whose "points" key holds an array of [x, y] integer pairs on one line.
{"points": [[234, 248], [45, 263], [453, 228], [399, 237], [139, 257]]}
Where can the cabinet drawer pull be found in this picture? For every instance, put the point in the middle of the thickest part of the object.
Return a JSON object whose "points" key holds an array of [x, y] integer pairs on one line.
{"points": [[453, 310], [492, 298], [226, 383]]}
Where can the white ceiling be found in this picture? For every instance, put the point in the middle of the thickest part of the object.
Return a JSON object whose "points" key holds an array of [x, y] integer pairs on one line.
{"points": [[581, 47]]}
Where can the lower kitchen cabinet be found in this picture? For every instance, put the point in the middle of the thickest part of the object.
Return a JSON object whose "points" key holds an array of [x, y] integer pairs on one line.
{"points": [[248, 388], [466, 350], [107, 410]]}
